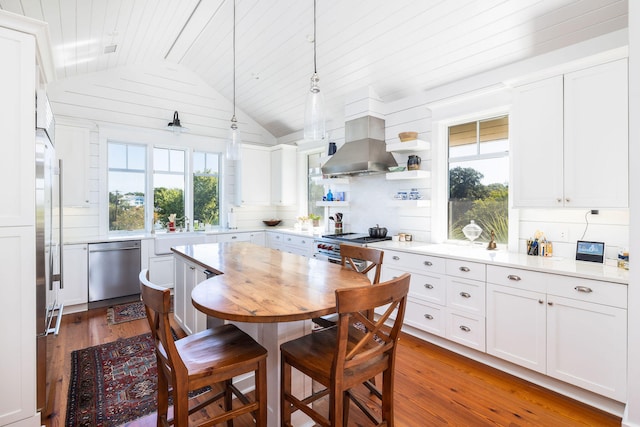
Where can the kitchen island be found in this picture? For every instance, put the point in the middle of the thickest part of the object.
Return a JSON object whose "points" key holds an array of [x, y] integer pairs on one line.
{"points": [[270, 294]]}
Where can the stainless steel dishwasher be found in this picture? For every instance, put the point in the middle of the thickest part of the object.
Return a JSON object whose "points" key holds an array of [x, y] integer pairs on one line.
{"points": [[113, 270]]}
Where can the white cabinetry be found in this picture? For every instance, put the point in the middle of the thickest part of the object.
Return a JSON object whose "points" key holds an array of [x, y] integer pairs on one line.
{"points": [[75, 272], [446, 297], [187, 276], [572, 329], [291, 243], [161, 270], [72, 146], [254, 187], [283, 175], [568, 136], [19, 49]]}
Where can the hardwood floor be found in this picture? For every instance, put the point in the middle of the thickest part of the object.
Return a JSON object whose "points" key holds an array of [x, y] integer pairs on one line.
{"points": [[433, 386]]}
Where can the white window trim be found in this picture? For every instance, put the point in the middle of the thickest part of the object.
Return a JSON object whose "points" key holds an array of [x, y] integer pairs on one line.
{"points": [[463, 110]]}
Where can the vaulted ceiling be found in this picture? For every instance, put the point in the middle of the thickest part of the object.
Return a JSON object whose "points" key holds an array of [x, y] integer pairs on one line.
{"points": [[397, 48]]}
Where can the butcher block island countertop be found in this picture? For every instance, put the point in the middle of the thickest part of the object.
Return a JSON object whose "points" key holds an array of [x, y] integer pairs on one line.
{"points": [[257, 284]]}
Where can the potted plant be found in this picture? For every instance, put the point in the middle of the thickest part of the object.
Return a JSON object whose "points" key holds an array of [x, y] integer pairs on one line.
{"points": [[315, 219]]}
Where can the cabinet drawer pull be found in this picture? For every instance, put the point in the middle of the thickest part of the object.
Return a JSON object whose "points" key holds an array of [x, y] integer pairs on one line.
{"points": [[465, 295], [428, 317], [396, 257], [465, 269], [304, 242], [234, 237], [428, 285], [465, 328], [514, 277], [549, 303], [428, 263], [585, 289], [192, 268], [288, 239], [540, 301]]}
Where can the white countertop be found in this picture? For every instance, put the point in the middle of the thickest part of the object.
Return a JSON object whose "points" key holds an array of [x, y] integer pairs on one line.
{"points": [[556, 265]]}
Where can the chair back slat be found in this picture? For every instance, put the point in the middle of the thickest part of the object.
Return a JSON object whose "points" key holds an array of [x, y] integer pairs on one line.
{"points": [[157, 301], [350, 253], [373, 338]]}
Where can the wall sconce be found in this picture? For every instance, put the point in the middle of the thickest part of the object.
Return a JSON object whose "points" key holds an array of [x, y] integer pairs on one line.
{"points": [[175, 125]]}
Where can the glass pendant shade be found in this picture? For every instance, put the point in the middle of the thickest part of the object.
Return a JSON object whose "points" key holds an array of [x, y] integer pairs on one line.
{"points": [[233, 141], [314, 121]]}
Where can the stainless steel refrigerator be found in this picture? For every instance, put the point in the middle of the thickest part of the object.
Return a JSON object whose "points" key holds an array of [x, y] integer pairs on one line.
{"points": [[48, 239]]}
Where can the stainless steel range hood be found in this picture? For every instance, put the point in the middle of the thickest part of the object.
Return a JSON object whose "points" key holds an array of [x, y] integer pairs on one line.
{"points": [[364, 151]]}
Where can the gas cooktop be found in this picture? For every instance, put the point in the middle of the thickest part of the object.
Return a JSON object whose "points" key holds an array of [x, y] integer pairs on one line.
{"points": [[356, 237]]}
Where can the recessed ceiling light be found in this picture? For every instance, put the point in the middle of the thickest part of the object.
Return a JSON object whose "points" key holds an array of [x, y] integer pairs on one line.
{"points": [[110, 48]]}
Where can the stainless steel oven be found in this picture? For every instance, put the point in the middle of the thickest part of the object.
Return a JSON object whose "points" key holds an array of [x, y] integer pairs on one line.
{"points": [[327, 247]]}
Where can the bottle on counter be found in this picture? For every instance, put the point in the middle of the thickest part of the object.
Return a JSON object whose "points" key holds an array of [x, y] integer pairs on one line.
{"points": [[623, 259]]}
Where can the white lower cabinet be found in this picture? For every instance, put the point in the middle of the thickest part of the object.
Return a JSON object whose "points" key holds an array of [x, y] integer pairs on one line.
{"points": [[569, 328], [187, 276], [161, 270], [291, 243], [75, 285]]}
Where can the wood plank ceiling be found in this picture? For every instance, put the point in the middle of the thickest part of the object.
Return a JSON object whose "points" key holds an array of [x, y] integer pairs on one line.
{"points": [[397, 48]]}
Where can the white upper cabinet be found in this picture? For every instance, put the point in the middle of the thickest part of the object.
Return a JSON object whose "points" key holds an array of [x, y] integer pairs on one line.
{"points": [[254, 187], [569, 139], [72, 147], [283, 175]]}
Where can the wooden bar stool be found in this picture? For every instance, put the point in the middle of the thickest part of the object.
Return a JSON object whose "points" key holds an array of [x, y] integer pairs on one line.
{"points": [[350, 255], [340, 359], [208, 358]]}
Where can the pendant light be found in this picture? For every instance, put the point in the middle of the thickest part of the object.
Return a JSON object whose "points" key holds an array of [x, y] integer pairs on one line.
{"points": [[233, 142], [314, 125]]}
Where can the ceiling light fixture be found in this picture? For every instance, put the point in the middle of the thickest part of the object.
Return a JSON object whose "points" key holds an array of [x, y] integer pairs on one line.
{"points": [[175, 125], [233, 143], [314, 125]]}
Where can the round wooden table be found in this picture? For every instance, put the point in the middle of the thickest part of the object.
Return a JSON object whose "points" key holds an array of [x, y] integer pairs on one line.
{"points": [[271, 292]]}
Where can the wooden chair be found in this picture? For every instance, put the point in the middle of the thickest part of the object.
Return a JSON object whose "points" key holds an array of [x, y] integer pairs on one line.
{"points": [[208, 358], [339, 360], [349, 255]]}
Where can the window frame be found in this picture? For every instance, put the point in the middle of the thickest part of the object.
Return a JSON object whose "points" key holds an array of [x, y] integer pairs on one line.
{"points": [[108, 171]]}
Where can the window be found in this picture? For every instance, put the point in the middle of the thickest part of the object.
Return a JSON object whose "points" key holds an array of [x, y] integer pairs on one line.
{"points": [[479, 178], [126, 185], [168, 186], [315, 191], [206, 189]]}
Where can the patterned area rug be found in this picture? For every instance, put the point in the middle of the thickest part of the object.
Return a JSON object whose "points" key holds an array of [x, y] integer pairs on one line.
{"points": [[125, 312], [113, 383]]}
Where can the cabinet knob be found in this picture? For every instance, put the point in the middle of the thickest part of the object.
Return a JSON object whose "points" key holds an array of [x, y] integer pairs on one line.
{"points": [[192, 268], [465, 328], [549, 303], [464, 269], [568, 200], [465, 295], [428, 285], [396, 257], [540, 301], [514, 277], [428, 317], [428, 263], [559, 200], [584, 289]]}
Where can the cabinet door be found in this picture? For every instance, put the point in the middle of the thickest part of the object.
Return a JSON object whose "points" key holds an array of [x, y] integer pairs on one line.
{"points": [[254, 187], [283, 176], [75, 288], [161, 271], [587, 345], [17, 162], [179, 291], [258, 238], [536, 140], [596, 145], [72, 146], [194, 320], [516, 326]]}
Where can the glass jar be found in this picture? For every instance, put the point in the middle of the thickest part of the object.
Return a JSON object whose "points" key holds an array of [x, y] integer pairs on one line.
{"points": [[413, 163]]}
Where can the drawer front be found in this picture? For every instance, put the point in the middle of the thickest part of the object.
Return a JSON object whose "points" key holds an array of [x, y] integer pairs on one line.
{"points": [[427, 287], [236, 237], [299, 241], [426, 317], [517, 278], [466, 269], [414, 262], [466, 295], [606, 293], [466, 329]]}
